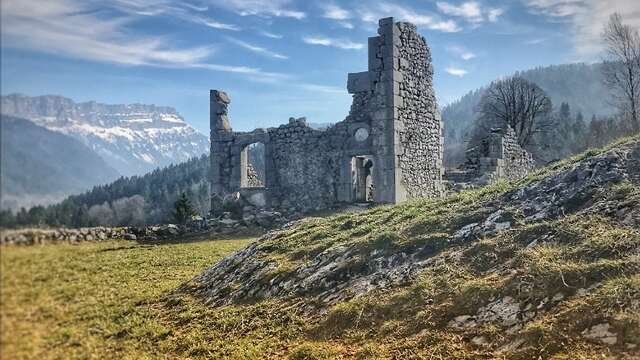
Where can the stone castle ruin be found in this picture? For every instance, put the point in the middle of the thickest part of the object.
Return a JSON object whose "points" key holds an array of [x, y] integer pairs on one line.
{"points": [[387, 150]]}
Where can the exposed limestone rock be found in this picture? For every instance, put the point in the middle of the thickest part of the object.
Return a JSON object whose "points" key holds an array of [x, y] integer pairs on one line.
{"points": [[337, 273], [601, 333]]}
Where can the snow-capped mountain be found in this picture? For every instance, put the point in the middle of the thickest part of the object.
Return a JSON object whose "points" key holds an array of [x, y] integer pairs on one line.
{"points": [[133, 139]]}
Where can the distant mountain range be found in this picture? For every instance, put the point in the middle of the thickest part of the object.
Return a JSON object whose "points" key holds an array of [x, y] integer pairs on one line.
{"points": [[579, 85], [42, 166], [133, 139], [124, 140]]}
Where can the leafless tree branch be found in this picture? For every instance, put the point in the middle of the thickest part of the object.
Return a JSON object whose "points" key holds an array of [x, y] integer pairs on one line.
{"points": [[517, 103]]}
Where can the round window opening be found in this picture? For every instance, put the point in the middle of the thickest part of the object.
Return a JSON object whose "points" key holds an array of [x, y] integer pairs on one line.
{"points": [[361, 134]]}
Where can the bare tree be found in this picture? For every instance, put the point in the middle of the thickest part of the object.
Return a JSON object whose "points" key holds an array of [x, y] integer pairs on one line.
{"points": [[621, 69], [517, 103]]}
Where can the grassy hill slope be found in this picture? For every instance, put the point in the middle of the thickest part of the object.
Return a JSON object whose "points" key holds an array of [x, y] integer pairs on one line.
{"points": [[548, 267]]}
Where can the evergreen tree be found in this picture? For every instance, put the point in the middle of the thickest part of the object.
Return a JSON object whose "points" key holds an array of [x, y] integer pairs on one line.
{"points": [[183, 209]]}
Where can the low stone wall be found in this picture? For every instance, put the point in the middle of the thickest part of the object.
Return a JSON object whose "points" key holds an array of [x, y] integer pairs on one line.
{"points": [[41, 236]]}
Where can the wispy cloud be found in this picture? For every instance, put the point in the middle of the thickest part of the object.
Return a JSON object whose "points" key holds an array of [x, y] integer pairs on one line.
{"points": [[556, 8], [534, 41], [371, 14], [494, 14], [270, 35], [323, 88], [73, 29], [267, 8], [335, 12], [471, 11], [180, 10], [445, 26], [69, 28], [462, 52], [257, 49], [213, 24], [326, 41], [587, 19], [455, 71]]}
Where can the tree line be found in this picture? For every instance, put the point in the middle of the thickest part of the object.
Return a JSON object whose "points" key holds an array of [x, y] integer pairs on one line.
{"points": [[134, 201]]}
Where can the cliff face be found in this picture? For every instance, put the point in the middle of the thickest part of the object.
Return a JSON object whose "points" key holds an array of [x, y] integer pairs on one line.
{"points": [[548, 265], [133, 139]]}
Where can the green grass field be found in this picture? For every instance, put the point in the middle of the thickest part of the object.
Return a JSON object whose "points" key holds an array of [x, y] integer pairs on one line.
{"points": [[118, 299], [101, 300]]}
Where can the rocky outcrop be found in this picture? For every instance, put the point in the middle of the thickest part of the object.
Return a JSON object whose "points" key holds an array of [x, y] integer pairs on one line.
{"points": [[340, 270]]}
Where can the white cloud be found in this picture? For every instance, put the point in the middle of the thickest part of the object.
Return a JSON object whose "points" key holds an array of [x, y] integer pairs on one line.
{"points": [[445, 26], [69, 28], [494, 14], [167, 8], [278, 8], [452, 70], [461, 52], [323, 88], [587, 19], [271, 35], [339, 43], [213, 24], [72, 28], [427, 20], [556, 8], [534, 41], [335, 12], [346, 24], [471, 11], [257, 49]]}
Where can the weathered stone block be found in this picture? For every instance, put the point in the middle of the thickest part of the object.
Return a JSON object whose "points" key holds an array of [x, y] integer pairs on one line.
{"points": [[358, 82]]}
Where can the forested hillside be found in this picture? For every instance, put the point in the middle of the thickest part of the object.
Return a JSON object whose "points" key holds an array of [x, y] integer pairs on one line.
{"points": [[40, 166], [578, 85], [135, 200]]}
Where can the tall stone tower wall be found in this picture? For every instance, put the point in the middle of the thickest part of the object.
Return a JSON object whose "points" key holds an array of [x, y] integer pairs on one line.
{"points": [[396, 95]]}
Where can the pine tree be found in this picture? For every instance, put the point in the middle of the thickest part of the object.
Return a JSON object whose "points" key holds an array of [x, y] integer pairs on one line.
{"points": [[183, 209]]}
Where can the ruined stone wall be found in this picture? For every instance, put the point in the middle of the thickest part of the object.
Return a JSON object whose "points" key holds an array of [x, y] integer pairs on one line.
{"points": [[498, 156], [305, 163], [517, 162], [393, 122], [420, 125]]}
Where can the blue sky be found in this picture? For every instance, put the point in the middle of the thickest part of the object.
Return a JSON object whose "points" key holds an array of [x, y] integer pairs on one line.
{"points": [[277, 58]]}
